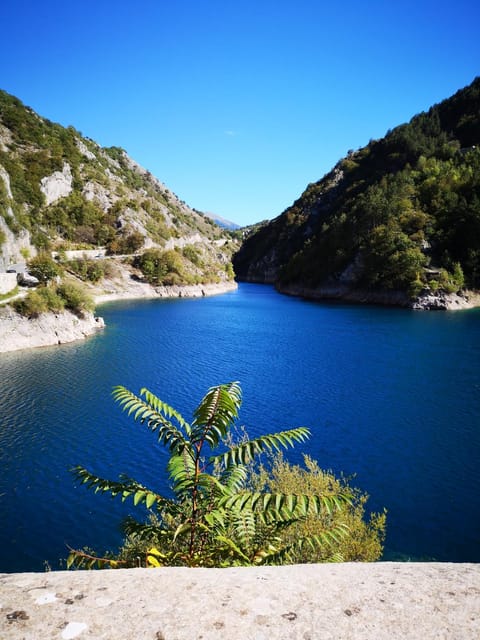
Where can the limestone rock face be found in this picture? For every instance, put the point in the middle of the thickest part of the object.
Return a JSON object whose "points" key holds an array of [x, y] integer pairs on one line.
{"points": [[84, 150], [14, 246], [17, 332], [441, 301], [58, 185], [94, 192], [6, 180]]}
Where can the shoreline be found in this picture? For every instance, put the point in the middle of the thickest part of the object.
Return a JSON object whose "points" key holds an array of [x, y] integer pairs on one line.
{"points": [[18, 333], [428, 302], [144, 291]]}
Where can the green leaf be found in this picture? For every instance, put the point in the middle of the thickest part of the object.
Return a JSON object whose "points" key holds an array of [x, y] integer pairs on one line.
{"points": [[151, 499], [150, 411], [138, 497], [216, 414], [246, 451]]}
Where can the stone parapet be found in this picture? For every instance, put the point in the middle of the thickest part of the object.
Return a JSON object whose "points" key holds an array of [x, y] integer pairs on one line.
{"points": [[351, 601]]}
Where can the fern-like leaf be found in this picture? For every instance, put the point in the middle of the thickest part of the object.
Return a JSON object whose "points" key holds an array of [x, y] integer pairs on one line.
{"points": [[245, 452], [327, 538], [291, 505], [234, 478], [230, 544], [128, 488], [155, 414], [216, 413]]}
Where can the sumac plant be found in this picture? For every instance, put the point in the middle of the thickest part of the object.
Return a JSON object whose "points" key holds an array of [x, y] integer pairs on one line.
{"points": [[214, 518]]}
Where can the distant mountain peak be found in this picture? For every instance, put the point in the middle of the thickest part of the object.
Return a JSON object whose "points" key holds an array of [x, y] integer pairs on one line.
{"points": [[222, 222]]}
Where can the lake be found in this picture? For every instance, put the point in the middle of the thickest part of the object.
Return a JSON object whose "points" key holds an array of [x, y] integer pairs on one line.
{"points": [[391, 396]]}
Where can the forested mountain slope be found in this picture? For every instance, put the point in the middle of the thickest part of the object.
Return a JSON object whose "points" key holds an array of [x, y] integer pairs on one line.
{"points": [[62, 191], [400, 215]]}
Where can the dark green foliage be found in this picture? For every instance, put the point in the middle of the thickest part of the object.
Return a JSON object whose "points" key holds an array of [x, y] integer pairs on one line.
{"points": [[162, 267], [75, 218], [39, 301], [91, 270], [76, 298], [32, 305], [43, 267], [54, 298], [400, 204], [193, 254], [45, 146], [127, 243], [215, 517]]}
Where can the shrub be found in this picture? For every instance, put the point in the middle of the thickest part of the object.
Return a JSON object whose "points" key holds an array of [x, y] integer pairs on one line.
{"points": [[91, 270], [221, 515], [43, 267], [39, 301], [52, 299], [162, 267], [32, 305], [363, 540], [76, 298]]}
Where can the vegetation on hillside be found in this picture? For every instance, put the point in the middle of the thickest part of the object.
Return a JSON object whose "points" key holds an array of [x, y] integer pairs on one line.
{"points": [[56, 298], [189, 265], [223, 513], [112, 202], [401, 213]]}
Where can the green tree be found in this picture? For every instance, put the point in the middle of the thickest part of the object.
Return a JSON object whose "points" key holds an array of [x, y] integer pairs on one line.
{"points": [[76, 298], [162, 267], [214, 518], [43, 267], [33, 305]]}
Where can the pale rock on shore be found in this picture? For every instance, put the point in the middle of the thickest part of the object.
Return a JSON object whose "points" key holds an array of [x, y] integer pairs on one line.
{"points": [[350, 601], [137, 290], [428, 301], [18, 332]]}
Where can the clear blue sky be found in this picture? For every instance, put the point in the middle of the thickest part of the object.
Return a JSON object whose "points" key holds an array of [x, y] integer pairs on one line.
{"points": [[237, 106]]}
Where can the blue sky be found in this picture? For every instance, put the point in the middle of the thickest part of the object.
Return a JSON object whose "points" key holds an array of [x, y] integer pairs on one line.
{"points": [[237, 106]]}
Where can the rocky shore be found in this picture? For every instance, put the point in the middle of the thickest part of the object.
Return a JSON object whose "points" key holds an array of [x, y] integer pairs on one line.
{"points": [[440, 301], [347, 601], [135, 290], [18, 332]]}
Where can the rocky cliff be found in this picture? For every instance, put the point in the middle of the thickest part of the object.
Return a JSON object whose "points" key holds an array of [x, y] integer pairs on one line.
{"points": [[17, 332], [397, 219], [60, 190]]}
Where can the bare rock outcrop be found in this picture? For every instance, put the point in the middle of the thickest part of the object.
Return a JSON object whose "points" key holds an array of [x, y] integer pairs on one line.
{"points": [[18, 332], [58, 185]]}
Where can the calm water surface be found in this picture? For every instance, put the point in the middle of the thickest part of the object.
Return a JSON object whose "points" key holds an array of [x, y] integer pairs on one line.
{"points": [[390, 395]]}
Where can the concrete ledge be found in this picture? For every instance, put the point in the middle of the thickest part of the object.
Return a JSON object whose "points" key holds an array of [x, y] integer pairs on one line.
{"points": [[307, 602]]}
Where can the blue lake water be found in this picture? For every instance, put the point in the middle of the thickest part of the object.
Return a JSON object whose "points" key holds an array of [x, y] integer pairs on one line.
{"points": [[392, 396]]}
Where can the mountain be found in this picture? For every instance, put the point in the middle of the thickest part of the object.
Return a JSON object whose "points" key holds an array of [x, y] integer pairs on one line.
{"points": [[226, 224], [396, 219], [61, 191]]}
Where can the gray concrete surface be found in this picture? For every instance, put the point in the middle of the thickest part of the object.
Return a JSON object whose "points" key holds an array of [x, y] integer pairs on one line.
{"points": [[304, 602]]}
